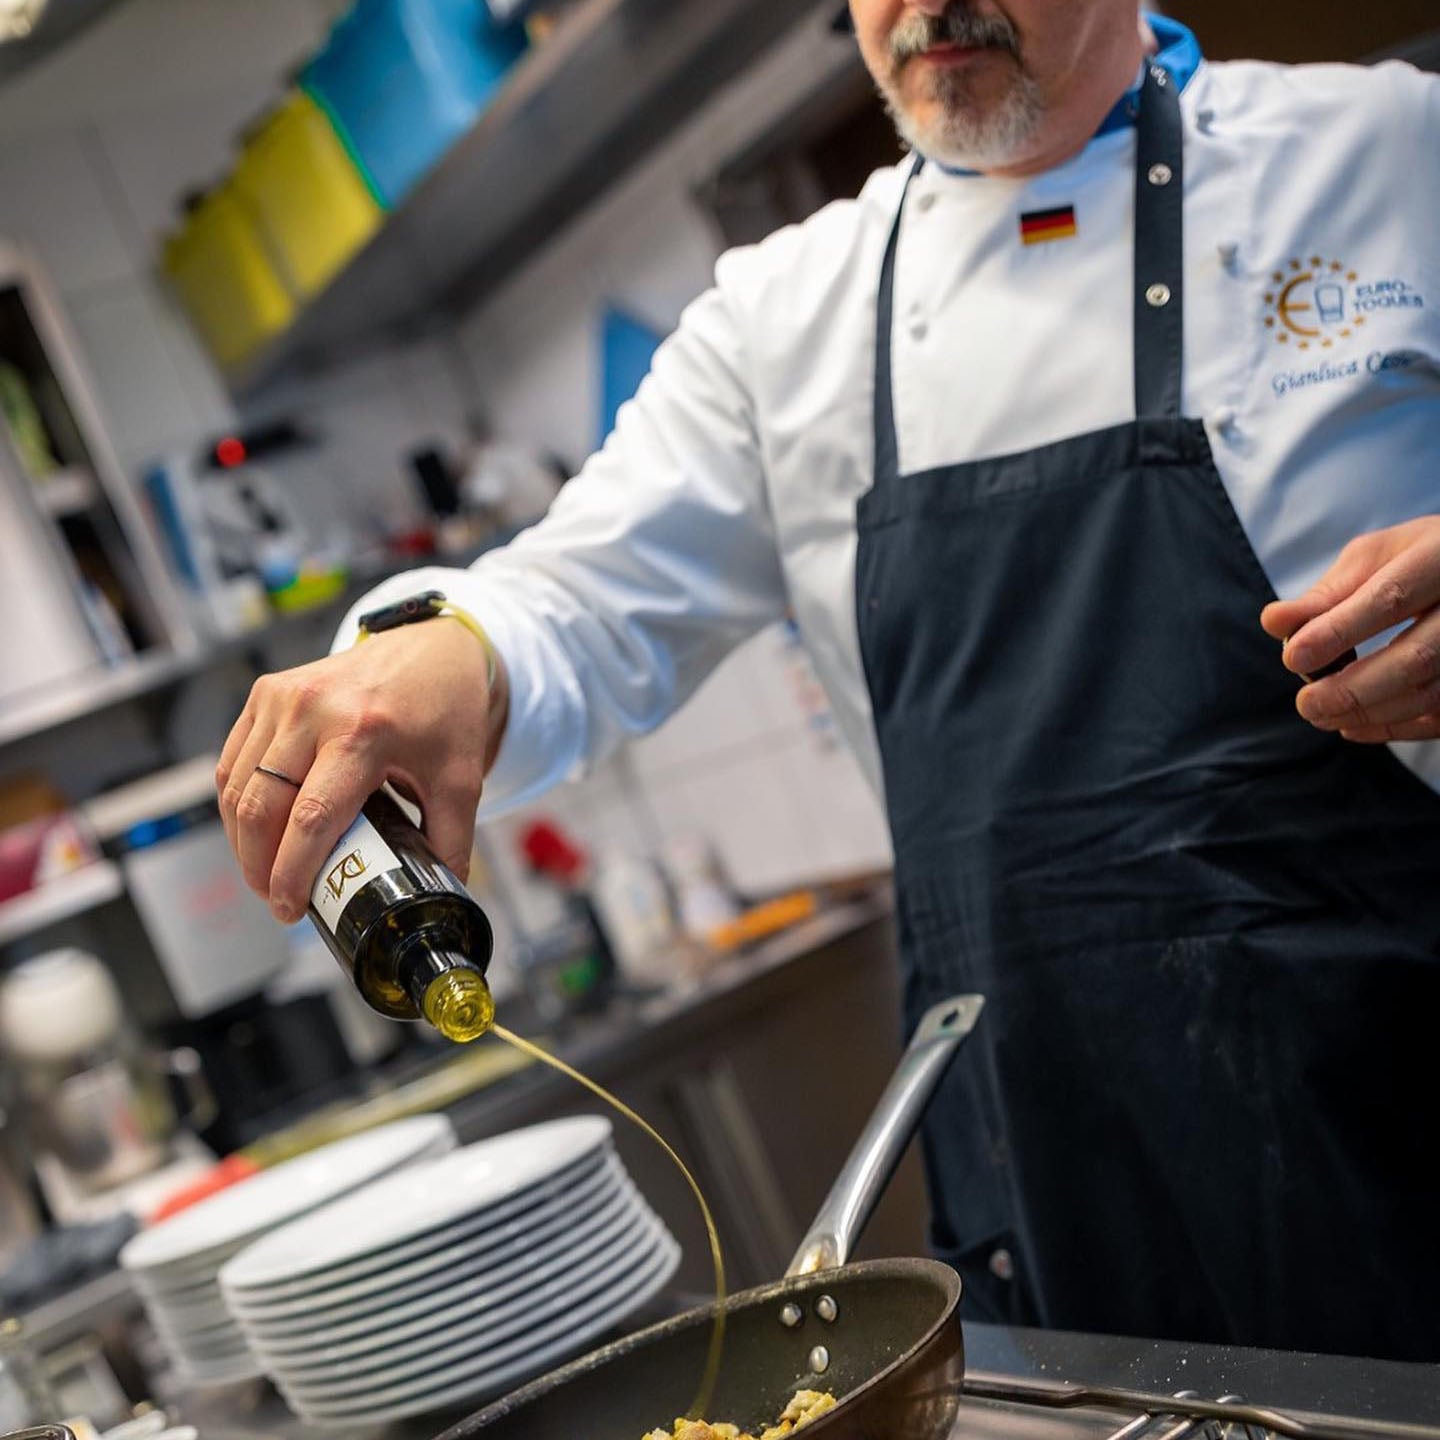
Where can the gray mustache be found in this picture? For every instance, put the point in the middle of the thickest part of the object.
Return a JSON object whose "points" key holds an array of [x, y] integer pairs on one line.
{"points": [[958, 25]]}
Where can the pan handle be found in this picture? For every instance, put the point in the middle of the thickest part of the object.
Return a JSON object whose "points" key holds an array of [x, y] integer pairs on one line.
{"points": [[877, 1152]]}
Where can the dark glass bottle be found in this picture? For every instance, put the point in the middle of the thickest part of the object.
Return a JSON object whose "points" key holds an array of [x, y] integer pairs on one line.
{"points": [[405, 930]]}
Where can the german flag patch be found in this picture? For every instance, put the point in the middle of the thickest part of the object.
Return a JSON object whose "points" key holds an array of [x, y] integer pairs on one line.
{"points": [[1037, 226]]}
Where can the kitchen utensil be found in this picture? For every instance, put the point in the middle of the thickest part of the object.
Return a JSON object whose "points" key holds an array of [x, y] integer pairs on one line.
{"points": [[883, 1335]]}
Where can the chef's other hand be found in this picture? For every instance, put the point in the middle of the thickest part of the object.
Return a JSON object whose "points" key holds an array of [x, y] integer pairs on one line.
{"points": [[411, 706], [1378, 580]]}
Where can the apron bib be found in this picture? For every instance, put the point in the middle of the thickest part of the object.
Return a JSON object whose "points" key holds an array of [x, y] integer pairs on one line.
{"points": [[1200, 1103]]}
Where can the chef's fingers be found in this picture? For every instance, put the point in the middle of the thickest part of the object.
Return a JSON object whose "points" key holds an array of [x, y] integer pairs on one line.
{"points": [[249, 799], [1406, 583], [1353, 566], [239, 733], [344, 774], [1423, 727], [232, 797], [264, 811], [1399, 682], [449, 813]]}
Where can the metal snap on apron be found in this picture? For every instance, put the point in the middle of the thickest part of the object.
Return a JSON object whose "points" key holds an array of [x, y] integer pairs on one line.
{"points": [[1201, 1103]]}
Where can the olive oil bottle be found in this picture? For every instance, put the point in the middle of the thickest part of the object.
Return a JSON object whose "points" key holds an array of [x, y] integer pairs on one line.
{"points": [[404, 929]]}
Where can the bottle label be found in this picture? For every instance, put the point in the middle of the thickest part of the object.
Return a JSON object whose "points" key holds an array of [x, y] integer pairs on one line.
{"points": [[358, 857]]}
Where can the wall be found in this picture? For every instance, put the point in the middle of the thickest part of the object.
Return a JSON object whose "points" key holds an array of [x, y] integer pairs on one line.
{"points": [[96, 147]]}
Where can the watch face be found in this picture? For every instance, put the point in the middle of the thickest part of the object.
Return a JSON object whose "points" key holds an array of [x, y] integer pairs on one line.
{"points": [[403, 612]]}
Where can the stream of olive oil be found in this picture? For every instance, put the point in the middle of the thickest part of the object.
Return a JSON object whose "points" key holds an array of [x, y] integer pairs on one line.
{"points": [[701, 1404]]}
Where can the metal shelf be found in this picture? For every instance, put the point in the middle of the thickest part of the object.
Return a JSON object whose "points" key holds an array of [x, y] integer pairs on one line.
{"points": [[613, 82], [93, 691], [58, 900]]}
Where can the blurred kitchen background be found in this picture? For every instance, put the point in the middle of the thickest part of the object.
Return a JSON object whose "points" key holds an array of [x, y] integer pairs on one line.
{"points": [[295, 294]]}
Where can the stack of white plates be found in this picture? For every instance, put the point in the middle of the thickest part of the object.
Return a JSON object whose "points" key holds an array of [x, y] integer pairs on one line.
{"points": [[455, 1279], [174, 1264]]}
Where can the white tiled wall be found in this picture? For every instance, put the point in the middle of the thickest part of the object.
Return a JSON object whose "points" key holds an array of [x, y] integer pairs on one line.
{"points": [[96, 148]]}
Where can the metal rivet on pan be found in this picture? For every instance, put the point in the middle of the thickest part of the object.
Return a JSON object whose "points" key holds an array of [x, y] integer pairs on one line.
{"points": [[791, 1316], [1160, 174], [827, 1309], [1157, 295], [819, 1360]]}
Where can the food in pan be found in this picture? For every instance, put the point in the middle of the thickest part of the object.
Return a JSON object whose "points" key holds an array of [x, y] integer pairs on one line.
{"points": [[804, 1406]]}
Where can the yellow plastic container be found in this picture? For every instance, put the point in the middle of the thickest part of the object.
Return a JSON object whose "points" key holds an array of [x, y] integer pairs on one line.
{"points": [[224, 275], [313, 205]]}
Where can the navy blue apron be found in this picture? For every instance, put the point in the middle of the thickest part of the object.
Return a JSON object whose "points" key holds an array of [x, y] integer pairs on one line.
{"points": [[1201, 1102]]}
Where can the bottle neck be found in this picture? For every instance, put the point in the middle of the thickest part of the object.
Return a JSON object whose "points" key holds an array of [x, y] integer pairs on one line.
{"points": [[447, 988]]}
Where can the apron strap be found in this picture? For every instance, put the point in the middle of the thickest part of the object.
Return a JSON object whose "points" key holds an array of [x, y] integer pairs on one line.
{"points": [[1159, 272], [887, 449], [1159, 247]]}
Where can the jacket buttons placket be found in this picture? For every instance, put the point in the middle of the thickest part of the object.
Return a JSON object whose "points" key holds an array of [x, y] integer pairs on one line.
{"points": [[925, 202], [919, 330], [1002, 1264], [1159, 174], [1157, 295]]}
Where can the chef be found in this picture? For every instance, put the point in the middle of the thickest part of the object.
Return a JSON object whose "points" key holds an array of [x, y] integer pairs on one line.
{"points": [[1029, 438]]}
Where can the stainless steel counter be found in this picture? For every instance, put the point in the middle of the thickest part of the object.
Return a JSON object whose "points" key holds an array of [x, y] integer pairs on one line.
{"points": [[1313, 1384]]}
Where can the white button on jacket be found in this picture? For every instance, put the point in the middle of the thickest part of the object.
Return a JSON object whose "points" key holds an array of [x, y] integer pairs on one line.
{"points": [[726, 494]]}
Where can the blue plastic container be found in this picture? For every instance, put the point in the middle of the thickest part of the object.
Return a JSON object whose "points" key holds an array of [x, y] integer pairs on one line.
{"points": [[403, 80]]}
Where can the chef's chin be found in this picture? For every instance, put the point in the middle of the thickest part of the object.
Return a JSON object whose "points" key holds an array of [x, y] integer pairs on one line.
{"points": [[947, 122]]}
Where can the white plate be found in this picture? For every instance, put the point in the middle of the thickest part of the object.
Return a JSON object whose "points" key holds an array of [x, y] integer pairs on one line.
{"points": [[200, 1333], [411, 1203], [200, 1267], [583, 1224], [195, 1272], [227, 1372], [284, 1192], [487, 1374], [310, 1290], [525, 1302], [198, 1313], [607, 1185], [601, 1273]]}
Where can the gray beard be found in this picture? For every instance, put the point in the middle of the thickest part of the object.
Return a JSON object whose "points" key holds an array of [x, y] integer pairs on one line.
{"points": [[964, 140]]}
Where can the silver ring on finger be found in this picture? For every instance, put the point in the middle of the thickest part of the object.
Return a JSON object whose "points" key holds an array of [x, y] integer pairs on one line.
{"points": [[276, 775]]}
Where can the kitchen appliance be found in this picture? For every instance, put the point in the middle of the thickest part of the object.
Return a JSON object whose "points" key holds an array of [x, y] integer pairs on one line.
{"points": [[96, 1103]]}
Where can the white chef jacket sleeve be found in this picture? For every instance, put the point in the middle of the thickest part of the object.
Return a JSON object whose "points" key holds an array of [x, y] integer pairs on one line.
{"points": [[654, 562]]}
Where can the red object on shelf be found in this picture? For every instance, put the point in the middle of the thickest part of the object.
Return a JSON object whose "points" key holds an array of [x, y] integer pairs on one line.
{"points": [[551, 851], [38, 851], [411, 544], [230, 1171]]}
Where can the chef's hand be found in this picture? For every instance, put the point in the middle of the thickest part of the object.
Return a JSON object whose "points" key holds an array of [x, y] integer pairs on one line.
{"points": [[1378, 580], [411, 706]]}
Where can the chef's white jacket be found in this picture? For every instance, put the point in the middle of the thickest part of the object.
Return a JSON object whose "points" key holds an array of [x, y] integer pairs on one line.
{"points": [[726, 494]]}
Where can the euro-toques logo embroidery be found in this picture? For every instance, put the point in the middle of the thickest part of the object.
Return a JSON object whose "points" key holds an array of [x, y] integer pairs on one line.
{"points": [[1318, 303]]}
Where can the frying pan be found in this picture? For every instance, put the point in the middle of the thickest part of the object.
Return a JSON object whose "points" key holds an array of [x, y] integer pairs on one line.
{"points": [[882, 1336]]}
